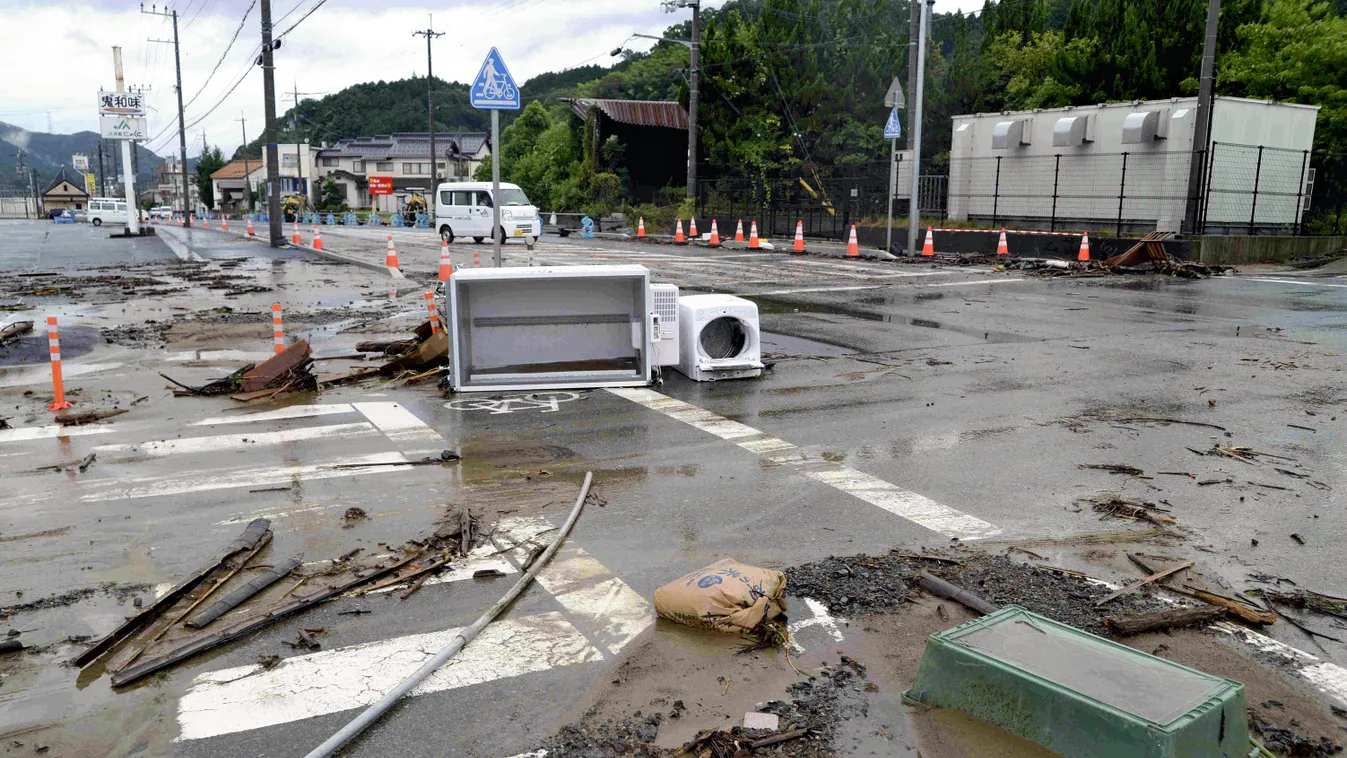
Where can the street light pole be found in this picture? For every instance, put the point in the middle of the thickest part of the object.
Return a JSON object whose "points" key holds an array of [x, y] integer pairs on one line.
{"points": [[914, 205], [693, 93]]}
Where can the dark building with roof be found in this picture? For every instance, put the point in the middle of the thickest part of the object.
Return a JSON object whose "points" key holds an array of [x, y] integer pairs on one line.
{"points": [[63, 192], [654, 133]]}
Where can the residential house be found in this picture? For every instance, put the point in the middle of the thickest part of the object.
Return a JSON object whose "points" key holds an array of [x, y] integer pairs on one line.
{"points": [[403, 157], [235, 184], [168, 185], [64, 193]]}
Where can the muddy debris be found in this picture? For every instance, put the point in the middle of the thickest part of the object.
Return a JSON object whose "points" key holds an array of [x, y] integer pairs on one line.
{"points": [[1288, 741], [352, 515], [149, 334], [1113, 505], [288, 370]]}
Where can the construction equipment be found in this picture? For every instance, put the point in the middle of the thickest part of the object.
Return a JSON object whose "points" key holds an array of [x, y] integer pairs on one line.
{"points": [[292, 206], [415, 205]]}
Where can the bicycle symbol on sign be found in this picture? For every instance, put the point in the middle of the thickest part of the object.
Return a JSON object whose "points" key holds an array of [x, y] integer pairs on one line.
{"points": [[547, 402], [497, 87]]}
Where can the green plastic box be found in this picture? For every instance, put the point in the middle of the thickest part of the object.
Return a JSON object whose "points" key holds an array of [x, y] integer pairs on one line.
{"points": [[1079, 695]]}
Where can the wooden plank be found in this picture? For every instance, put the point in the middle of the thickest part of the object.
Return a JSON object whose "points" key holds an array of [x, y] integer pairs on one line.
{"points": [[1146, 622], [269, 370], [1134, 586]]}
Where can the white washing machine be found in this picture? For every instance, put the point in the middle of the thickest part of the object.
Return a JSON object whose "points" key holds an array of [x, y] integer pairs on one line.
{"points": [[719, 338]]}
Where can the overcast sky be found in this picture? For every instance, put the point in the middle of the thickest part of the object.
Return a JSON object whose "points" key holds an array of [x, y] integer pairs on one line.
{"points": [[58, 55]]}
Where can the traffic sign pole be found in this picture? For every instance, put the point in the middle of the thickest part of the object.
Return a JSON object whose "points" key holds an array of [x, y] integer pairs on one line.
{"points": [[495, 90], [893, 130], [496, 231], [893, 179]]}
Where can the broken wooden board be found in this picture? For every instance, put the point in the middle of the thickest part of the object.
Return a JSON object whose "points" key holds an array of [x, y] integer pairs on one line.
{"points": [[433, 350], [15, 330], [271, 369]]}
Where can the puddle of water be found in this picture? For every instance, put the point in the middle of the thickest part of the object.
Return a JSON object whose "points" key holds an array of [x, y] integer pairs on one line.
{"points": [[785, 344]]}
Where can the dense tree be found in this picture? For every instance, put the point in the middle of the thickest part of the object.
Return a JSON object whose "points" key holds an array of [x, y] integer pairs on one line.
{"points": [[211, 160]]}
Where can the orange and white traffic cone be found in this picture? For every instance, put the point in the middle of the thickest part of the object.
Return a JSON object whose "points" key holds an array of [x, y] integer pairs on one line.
{"points": [[205, 223], [853, 248], [640, 227], [317, 238], [739, 231], [294, 234], [251, 233], [59, 403], [928, 249], [1001, 247], [277, 330], [799, 236], [446, 265], [224, 222], [434, 313], [1084, 254], [753, 242], [692, 228], [715, 235], [678, 233], [391, 260]]}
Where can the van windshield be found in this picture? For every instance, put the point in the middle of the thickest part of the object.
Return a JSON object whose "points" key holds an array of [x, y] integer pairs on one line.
{"points": [[513, 197]]}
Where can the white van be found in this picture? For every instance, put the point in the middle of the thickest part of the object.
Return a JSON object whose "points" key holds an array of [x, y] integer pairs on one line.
{"points": [[106, 210], [463, 209]]}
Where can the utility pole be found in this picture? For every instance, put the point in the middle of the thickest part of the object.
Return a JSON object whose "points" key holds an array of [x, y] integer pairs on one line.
{"points": [[102, 183], [914, 13], [430, 34], [128, 179], [914, 205], [694, 94], [299, 156], [182, 130], [269, 130], [1202, 124], [247, 183], [19, 170], [32, 182]]}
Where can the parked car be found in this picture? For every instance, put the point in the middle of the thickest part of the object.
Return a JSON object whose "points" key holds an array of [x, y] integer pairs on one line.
{"points": [[161, 212], [106, 210], [464, 209]]}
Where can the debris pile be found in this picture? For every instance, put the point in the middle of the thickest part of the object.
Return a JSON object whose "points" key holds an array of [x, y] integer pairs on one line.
{"points": [[289, 370], [12, 332]]}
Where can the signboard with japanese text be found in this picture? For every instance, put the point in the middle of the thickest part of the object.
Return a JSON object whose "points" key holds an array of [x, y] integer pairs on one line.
{"points": [[122, 127], [381, 185], [91, 184], [79, 162], [121, 103]]}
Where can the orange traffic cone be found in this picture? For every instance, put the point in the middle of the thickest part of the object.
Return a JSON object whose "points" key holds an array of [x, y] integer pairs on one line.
{"points": [[692, 228], [928, 249], [753, 243], [853, 248], [476, 259], [640, 227], [294, 235], [433, 312], [251, 233], [224, 222], [205, 223], [1001, 247], [715, 235], [678, 233], [739, 231], [446, 265], [1084, 254], [391, 257], [799, 236], [317, 238]]}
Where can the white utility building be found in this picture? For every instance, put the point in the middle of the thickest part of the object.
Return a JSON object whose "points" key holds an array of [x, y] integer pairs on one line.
{"points": [[1125, 166]]}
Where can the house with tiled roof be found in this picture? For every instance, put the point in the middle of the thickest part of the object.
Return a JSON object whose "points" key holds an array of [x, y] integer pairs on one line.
{"points": [[403, 157], [62, 193]]}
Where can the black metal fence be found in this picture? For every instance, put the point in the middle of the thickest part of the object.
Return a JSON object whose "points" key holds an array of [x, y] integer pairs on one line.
{"points": [[1244, 189]]}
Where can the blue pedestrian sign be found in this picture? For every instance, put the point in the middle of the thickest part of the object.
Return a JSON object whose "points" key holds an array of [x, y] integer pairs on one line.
{"points": [[494, 88], [894, 128]]}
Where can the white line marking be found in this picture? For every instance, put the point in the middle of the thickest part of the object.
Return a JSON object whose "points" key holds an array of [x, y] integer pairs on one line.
{"points": [[1289, 281], [224, 442], [247, 697], [916, 508], [207, 356], [610, 613], [24, 433], [398, 423], [252, 477], [293, 411], [1328, 678], [820, 618], [41, 374], [802, 290], [975, 281], [177, 247]]}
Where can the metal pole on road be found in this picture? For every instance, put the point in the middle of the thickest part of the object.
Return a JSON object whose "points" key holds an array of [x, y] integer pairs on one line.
{"points": [[496, 231], [182, 130], [914, 212], [893, 181], [430, 34], [128, 180], [276, 233]]}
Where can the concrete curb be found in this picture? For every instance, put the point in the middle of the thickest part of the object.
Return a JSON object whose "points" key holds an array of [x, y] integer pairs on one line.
{"points": [[379, 267]]}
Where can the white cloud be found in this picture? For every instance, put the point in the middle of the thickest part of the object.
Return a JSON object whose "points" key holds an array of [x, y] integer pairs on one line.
{"points": [[59, 55]]}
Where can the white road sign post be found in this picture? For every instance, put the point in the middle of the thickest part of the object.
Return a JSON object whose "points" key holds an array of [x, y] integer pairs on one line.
{"points": [[893, 129], [495, 90], [121, 116]]}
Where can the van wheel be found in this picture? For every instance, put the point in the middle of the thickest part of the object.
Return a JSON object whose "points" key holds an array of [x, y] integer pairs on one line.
{"points": [[500, 232], [98, 222], [447, 234], [478, 240]]}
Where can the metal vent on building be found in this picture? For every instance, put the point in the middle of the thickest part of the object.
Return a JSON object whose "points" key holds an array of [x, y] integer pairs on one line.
{"points": [[1141, 127], [1008, 134], [1071, 131]]}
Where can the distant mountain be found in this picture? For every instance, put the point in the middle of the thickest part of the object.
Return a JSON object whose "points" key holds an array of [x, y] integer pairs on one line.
{"points": [[48, 153]]}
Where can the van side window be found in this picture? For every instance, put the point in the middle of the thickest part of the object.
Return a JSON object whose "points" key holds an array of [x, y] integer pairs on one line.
{"points": [[446, 197], [462, 198], [483, 199]]}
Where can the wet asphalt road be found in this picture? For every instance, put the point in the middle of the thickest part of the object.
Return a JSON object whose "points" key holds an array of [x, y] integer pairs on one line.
{"points": [[962, 401]]}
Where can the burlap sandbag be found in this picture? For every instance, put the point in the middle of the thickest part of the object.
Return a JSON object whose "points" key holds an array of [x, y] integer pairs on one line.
{"points": [[727, 596]]}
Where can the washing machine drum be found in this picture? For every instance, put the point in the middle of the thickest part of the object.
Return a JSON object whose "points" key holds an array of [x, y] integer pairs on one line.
{"points": [[723, 337]]}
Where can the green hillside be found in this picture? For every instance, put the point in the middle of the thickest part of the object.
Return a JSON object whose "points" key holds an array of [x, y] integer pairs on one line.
{"points": [[49, 152]]}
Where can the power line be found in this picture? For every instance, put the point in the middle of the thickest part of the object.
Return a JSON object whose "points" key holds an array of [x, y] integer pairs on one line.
{"points": [[308, 13], [232, 40]]}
